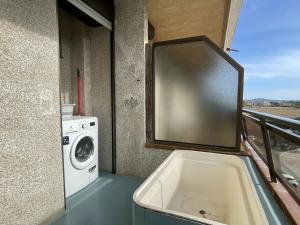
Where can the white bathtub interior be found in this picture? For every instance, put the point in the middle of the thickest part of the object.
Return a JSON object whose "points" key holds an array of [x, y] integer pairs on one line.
{"points": [[207, 187]]}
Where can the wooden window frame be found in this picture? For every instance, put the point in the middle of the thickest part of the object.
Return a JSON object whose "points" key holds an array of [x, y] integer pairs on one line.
{"points": [[151, 142]]}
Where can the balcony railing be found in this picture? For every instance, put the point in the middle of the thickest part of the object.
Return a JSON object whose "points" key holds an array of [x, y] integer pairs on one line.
{"points": [[277, 141]]}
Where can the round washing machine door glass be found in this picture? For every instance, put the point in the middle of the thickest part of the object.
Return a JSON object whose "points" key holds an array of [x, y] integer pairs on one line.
{"points": [[82, 152]]}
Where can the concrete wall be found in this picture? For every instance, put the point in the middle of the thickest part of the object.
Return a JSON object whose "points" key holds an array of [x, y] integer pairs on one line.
{"points": [[65, 57], [31, 171], [88, 49], [130, 38], [101, 92], [73, 45]]}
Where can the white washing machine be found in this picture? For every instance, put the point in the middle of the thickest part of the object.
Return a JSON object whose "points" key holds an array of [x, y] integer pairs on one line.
{"points": [[80, 152]]}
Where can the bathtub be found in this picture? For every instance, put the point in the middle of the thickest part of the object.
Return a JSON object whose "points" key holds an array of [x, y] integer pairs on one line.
{"points": [[199, 188]]}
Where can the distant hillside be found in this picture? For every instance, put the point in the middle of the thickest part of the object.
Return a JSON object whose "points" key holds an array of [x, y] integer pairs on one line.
{"points": [[259, 100], [262, 100], [272, 102]]}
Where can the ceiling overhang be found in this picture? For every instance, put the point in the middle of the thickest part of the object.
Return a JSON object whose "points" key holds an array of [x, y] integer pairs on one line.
{"points": [[174, 19]]}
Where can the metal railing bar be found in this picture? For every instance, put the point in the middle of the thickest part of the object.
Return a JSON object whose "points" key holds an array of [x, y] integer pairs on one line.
{"points": [[275, 125], [286, 134], [252, 143], [267, 143], [244, 129], [251, 118], [295, 124], [255, 147]]}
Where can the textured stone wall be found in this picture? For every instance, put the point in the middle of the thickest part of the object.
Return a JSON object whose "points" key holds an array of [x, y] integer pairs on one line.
{"points": [[101, 92], [130, 38], [88, 48], [31, 171], [65, 57], [75, 54]]}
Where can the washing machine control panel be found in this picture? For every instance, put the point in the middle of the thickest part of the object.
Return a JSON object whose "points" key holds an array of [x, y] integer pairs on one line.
{"points": [[79, 126], [88, 125], [71, 128]]}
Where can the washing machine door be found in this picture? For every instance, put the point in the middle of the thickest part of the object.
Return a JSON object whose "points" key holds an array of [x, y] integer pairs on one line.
{"points": [[83, 151]]}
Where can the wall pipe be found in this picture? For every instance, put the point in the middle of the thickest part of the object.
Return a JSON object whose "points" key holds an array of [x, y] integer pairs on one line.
{"points": [[78, 92]]}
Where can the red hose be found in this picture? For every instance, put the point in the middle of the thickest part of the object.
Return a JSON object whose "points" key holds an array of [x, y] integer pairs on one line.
{"points": [[78, 92]]}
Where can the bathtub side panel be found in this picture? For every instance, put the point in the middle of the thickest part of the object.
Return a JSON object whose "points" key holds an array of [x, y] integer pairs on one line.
{"points": [[169, 179], [138, 214], [153, 195], [237, 202], [155, 218], [158, 190]]}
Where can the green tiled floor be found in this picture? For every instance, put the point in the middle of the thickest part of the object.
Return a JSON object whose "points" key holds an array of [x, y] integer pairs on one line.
{"points": [[107, 201]]}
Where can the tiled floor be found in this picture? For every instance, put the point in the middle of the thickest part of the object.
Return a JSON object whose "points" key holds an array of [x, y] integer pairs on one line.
{"points": [[107, 201]]}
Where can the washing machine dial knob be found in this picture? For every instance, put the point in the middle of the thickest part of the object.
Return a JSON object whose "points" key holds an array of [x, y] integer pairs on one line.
{"points": [[83, 126]]}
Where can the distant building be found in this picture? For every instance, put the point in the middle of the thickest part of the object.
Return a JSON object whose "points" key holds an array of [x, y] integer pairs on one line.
{"points": [[248, 103], [296, 104], [266, 104], [286, 104], [275, 104]]}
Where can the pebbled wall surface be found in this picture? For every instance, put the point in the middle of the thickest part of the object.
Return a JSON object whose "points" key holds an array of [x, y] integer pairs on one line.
{"points": [[88, 48], [31, 171], [130, 38]]}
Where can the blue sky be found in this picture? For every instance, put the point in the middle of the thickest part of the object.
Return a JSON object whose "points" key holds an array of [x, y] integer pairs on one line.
{"points": [[268, 38]]}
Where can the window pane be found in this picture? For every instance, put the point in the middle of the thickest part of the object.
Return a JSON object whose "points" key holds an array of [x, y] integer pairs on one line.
{"points": [[256, 138], [286, 157], [196, 92]]}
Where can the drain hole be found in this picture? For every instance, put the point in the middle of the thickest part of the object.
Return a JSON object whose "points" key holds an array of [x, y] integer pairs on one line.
{"points": [[202, 212]]}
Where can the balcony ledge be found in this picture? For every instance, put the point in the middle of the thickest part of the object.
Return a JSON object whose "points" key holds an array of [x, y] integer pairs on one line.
{"points": [[279, 192]]}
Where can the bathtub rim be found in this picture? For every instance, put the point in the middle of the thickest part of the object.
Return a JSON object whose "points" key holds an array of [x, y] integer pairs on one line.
{"points": [[186, 216]]}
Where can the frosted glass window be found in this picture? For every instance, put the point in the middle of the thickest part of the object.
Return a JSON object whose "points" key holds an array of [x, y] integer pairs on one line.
{"points": [[196, 95]]}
